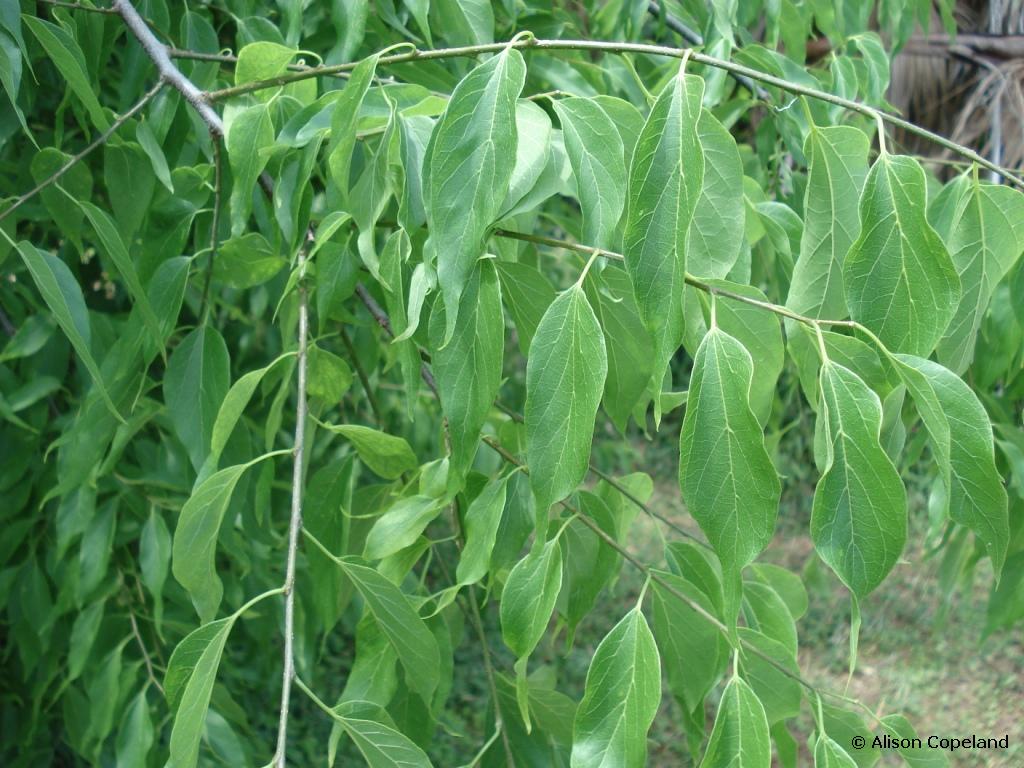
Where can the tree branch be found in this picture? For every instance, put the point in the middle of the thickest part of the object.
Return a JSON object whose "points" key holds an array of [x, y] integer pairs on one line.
{"points": [[625, 47], [169, 72], [97, 142]]}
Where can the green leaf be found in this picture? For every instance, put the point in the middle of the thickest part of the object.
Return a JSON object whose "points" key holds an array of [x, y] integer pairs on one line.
{"points": [[195, 384], [900, 281], [692, 649], [400, 526], [728, 480], [69, 59], [481, 526], [260, 61], [247, 261], [916, 757], [527, 294], [533, 153], [135, 736], [529, 596], [978, 223], [468, 367], [468, 168], [154, 561], [838, 162], [961, 439], [859, 516], [740, 736], [195, 539], [717, 230], [115, 248], [188, 685], [76, 181], [828, 754], [565, 377], [386, 455], [780, 694], [665, 180], [343, 123], [621, 698], [329, 376], [382, 746], [64, 298], [628, 345], [595, 150], [412, 639], [249, 134]]}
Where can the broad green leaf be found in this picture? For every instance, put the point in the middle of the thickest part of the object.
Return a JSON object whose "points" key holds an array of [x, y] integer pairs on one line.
{"points": [[412, 639], [130, 182], [28, 339], [978, 223], [230, 411], [533, 154], [382, 746], [740, 736], [83, 635], [195, 384], [396, 252], [69, 59], [260, 61], [828, 754], [859, 516], [629, 347], [249, 134], [468, 367], [727, 477], [400, 525], [1006, 603], [900, 728], [590, 563], [665, 180], [76, 181], [135, 736], [195, 539], [595, 151], [343, 123], [115, 248], [842, 726], [481, 528], [468, 168], [692, 649], [466, 22], [527, 294], [329, 376], [899, 279], [529, 596], [620, 699], [961, 440], [155, 561], [716, 232], [327, 498], [191, 673], [565, 377], [64, 298], [148, 141], [838, 162], [247, 261], [386, 455], [780, 694]]}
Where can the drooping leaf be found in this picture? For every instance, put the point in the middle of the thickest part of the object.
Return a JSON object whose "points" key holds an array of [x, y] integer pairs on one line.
{"points": [[469, 164], [961, 439], [716, 232], [527, 294], [725, 473], [482, 520], [565, 377], [595, 151], [828, 754], [979, 223], [381, 745], [386, 455], [740, 735], [838, 162], [135, 735], [665, 180], [899, 278], [620, 699], [195, 384], [64, 298], [859, 516], [412, 639], [900, 728], [468, 367], [249, 134], [400, 526], [529, 598]]}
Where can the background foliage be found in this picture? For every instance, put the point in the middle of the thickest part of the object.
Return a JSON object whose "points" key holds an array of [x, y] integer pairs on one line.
{"points": [[366, 375]]}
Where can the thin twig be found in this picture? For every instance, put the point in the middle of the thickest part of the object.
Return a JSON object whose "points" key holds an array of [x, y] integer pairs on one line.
{"points": [[499, 720], [215, 224], [527, 42], [97, 142], [157, 52], [295, 525], [361, 373], [145, 653]]}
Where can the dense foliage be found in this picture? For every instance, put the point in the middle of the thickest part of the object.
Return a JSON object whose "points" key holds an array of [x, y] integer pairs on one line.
{"points": [[323, 341]]}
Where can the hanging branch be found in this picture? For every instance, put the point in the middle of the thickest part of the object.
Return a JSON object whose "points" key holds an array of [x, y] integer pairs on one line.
{"points": [[169, 72], [528, 42], [99, 141]]}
